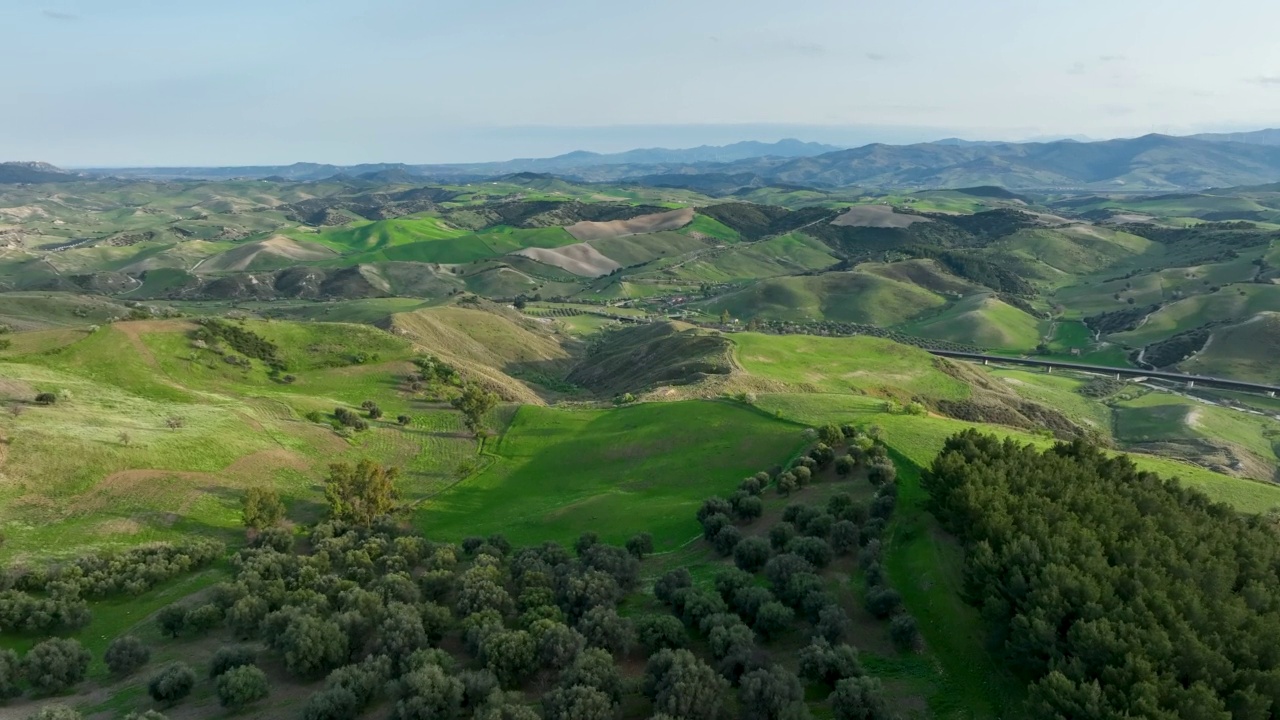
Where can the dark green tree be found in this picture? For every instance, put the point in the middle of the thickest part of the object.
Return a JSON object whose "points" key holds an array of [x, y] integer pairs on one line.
{"points": [[360, 493], [682, 686], [859, 698], [752, 553], [55, 665], [577, 703], [312, 646], [173, 683], [262, 508], [772, 693], [657, 632], [228, 657], [10, 674], [640, 545], [474, 403], [126, 654], [429, 693], [241, 686]]}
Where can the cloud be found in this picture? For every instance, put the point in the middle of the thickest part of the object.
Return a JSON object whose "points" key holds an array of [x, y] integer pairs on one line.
{"points": [[1076, 69], [1268, 80], [56, 15], [1111, 58], [802, 49], [876, 57]]}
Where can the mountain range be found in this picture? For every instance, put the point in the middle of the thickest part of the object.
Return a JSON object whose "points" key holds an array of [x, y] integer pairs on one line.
{"points": [[1150, 163]]}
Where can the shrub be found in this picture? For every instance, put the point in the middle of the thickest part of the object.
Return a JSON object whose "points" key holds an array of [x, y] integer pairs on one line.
{"points": [[10, 674], [403, 420], [859, 698], [46, 398], [828, 664], [262, 508], [640, 545], [833, 623], [229, 657], [126, 654], [905, 633], [774, 693], [241, 686], [204, 618], [882, 601], [172, 683], [671, 581], [56, 712], [55, 665]]}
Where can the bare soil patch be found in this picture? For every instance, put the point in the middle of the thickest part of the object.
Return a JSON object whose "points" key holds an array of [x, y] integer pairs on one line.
{"points": [[277, 246], [579, 259], [882, 216], [657, 222]]}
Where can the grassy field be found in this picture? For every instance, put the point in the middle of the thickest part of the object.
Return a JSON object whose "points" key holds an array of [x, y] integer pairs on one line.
{"points": [[1247, 350], [1238, 302], [845, 296], [561, 472], [984, 321], [862, 365], [104, 467], [918, 439]]}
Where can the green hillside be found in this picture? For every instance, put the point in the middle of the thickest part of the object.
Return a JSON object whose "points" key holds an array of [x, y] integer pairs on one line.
{"points": [[846, 296], [559, 473], [985, 321]]}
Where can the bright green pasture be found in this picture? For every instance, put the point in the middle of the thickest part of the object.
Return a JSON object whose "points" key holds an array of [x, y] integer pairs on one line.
{"points": [[561, 472], [858, 364]]}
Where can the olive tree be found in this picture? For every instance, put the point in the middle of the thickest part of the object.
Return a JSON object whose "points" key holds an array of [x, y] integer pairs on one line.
{"points": [[126, 654], [55, 665], [172, 683], [682, 686], [262, 508], [241, 686], [859, 698], [10, 674], [772, 693]]}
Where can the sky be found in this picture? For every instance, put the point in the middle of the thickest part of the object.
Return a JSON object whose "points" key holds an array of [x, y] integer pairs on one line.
{"points": [[89, 83]]}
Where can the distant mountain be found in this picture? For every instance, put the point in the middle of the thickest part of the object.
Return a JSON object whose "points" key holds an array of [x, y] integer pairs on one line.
{"points": [[561, 164], [1257, 137], [1151, 163], [1148, 163], [32, 172], [297, 172]]}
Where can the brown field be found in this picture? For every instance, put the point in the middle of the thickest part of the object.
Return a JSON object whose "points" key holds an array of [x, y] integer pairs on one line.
{"points": [[876, 216], [658, 222], [579, 259], [279, 246]]}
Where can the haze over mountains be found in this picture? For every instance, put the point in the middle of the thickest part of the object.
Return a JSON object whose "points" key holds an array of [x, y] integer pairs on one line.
{"points": [[1148, 163]]}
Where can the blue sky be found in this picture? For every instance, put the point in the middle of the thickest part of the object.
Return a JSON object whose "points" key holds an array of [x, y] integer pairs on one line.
{"points": [[131, 82]]}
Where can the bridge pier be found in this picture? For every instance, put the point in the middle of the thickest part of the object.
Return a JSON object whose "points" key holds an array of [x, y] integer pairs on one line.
{"points": [[1191, 384], [1048, 369], [1117, 376], [1271, 393], [986, 361]]}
